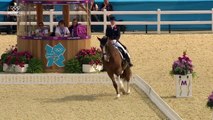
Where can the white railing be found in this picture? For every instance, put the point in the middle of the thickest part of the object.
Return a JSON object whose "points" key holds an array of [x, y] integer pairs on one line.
{"points": [[51, 13]]}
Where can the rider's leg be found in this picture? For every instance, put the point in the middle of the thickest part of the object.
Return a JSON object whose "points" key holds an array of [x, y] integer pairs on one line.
{"points": [[127, 56]]}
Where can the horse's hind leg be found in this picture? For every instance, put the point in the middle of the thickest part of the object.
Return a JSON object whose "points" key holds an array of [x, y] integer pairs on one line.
{"points": [[127, 76]]}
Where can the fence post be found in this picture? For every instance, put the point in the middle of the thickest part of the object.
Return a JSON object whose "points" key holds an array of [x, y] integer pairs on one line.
{"points": [[158, 20], [212, 19], [105, 20], [51, 20]]}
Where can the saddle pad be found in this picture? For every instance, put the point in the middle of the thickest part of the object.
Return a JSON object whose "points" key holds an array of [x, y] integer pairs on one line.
{"points": [[120, 51]]}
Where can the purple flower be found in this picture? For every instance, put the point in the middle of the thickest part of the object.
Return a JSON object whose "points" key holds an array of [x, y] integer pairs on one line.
{"points": [[182, 66], [210, 98]]}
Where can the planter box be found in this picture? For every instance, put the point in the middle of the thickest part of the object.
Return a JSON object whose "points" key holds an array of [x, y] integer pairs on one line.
{"points": [[86, 68], [183, 85], [9, 68], [19, 69], [5, 67]]}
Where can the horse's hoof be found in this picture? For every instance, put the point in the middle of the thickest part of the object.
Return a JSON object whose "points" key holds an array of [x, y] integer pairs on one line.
{"points": [[118, 95], [128, 92]]}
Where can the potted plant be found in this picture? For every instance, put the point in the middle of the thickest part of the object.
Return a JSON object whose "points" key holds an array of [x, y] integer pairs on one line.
{"points": [[90, 60], [210, 102], [182, 70], [8, 59], [14, 61], [35, 66], [73, 66], [22, 61]]}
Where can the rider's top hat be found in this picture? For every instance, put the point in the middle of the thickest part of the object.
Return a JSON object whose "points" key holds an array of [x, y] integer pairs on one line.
{"points": [[112, 18]]}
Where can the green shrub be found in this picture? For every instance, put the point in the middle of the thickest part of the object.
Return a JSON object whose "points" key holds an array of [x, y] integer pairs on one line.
{"points": [[1, 66], [73, 66], [35, 66]]}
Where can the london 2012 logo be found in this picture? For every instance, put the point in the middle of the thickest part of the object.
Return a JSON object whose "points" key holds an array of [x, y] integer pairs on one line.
{"points": [[14, 10]]}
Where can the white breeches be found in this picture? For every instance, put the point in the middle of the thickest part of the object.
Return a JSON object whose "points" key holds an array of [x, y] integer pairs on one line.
{"points": [[117, 44]]}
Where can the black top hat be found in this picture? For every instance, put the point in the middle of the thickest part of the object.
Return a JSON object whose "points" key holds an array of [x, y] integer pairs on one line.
{"points": [[112, 18]]}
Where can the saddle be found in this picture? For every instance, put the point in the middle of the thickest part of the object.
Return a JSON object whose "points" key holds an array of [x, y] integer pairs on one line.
{"points": [[124, 57], [122, 53]]}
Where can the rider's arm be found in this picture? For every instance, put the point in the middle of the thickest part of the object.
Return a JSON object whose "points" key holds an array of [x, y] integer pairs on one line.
{"points": [[107, 32], [118, 34]]}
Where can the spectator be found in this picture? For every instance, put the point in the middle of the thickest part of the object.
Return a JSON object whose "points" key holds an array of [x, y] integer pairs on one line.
{"points": [[74, 28], [62, 30], [94, 7], [41, 30], [108, 6]]}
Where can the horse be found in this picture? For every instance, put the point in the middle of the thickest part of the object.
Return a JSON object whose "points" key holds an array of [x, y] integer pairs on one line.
{"points": [[116, 68]]}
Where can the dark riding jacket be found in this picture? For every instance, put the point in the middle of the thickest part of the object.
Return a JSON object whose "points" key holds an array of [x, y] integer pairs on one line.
{"points": [[113, 33]]}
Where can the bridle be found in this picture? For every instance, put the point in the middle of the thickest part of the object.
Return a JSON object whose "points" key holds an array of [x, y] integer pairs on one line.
{"points": [[106, 56]]}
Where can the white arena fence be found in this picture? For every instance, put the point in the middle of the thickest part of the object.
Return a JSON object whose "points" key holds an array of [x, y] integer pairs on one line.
{"points": [[158, 13], [102, 78]]}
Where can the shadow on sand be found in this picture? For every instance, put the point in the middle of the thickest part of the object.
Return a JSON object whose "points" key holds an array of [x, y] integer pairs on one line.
{"points": [[91, 97]]}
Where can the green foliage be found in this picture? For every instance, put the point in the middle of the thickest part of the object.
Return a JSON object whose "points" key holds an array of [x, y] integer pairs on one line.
{"points": [[73, 66], [210, 104], [1, 66], [4, 57], [35, 66]]}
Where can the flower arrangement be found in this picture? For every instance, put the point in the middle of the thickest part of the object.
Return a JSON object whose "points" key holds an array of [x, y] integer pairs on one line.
{"points": [[86, 60], [182, 66], [210, 101], [12, 56], [90, 56]]}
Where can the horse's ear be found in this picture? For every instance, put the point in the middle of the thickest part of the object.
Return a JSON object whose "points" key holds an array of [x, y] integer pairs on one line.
{"points": [[99, 38]]}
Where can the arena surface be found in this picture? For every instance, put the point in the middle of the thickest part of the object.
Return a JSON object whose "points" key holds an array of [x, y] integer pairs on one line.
{"points": [[152, 56], [74, 102]]}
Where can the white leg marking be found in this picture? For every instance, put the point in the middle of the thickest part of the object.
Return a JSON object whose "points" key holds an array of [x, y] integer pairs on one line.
{"points": [[121, 85], [128, 88], [118, 95]]}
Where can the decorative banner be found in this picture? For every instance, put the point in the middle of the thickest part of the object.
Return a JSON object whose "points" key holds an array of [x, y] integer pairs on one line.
{"points": [[54, 38], [82, 31], [55, 1], [183, 85], [54, 55]]}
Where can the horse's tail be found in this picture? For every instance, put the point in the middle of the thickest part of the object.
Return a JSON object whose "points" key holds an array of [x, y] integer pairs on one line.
{"points": [[127, 74]]}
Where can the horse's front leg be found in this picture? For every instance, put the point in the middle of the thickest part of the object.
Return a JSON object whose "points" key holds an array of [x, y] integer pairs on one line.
{"points": [[120, 86], [113, 82]]}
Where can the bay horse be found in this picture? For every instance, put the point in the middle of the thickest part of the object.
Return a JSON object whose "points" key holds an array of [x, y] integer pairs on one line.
{"points": [[117, 69]]}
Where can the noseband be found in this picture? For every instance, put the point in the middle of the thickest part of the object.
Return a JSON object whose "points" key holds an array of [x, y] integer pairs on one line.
{"points": [[105, 55]]}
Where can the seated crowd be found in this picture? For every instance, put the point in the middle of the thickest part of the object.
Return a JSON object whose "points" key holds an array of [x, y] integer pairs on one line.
{"points": [[61, 30]]}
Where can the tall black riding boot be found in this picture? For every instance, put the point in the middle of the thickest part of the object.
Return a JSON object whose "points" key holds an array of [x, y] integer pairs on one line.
{"points": [[130, 63], [128, 60]]}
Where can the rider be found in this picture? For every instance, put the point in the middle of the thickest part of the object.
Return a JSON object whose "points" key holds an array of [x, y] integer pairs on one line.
{"points": [[113, 33]]}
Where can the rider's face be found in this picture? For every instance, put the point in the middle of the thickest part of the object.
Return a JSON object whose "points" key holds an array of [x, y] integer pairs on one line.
{"points": [[112, 22]]}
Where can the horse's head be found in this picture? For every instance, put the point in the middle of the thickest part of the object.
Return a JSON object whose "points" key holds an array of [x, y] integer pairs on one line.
{"points": [[104, 48], [103, 41]]}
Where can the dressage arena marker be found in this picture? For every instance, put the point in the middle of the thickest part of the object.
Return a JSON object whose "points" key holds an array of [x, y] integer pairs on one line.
{"points": [[52, 78]]}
